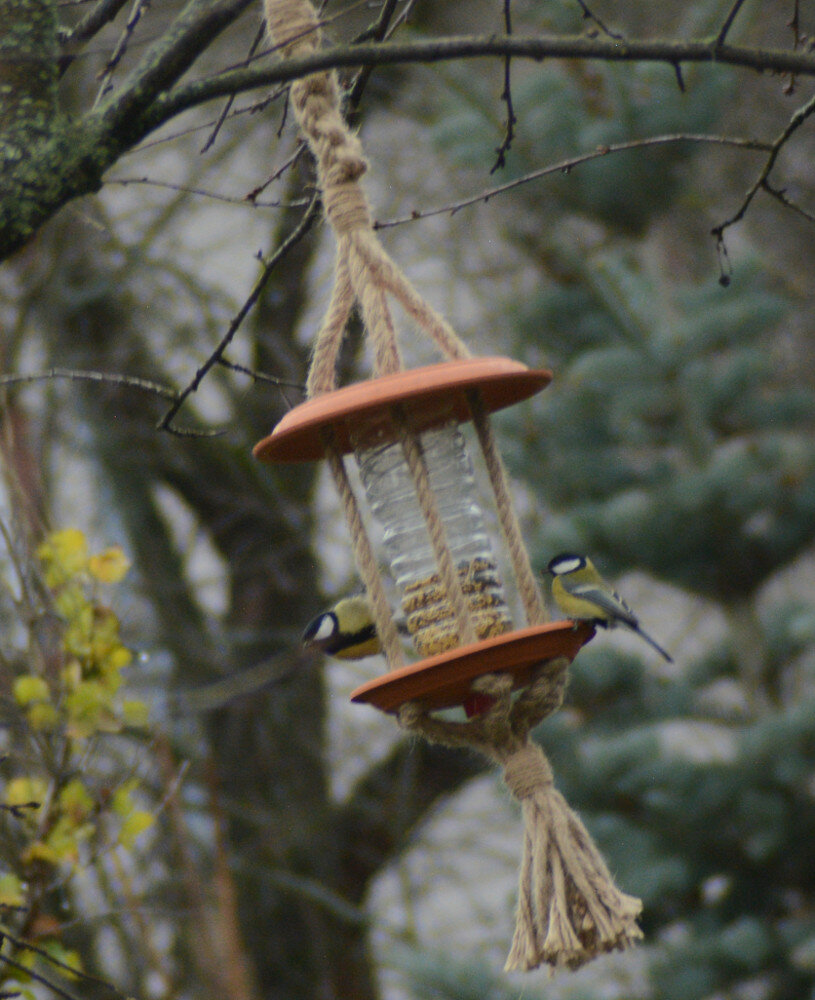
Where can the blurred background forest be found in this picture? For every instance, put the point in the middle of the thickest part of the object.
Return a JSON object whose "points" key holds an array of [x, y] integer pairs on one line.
{"points": [[215, 818]]}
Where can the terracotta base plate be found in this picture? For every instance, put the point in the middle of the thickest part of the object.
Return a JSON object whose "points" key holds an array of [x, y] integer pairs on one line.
{"points": [[444, 681]]}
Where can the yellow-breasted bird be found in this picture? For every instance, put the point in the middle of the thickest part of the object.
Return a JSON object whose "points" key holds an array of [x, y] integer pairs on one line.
{"points": [[582, 594], [347, 631]]}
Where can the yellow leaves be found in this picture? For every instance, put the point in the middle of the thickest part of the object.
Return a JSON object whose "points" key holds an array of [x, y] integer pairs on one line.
{"points": [[12, 891], [29, 689], [33, 693], [135, 824], [109, 566], [135, 713], [134, 821], [75, 802], [63, 809], [89, 707], [93, 653], [64, 554], [25, 791]]}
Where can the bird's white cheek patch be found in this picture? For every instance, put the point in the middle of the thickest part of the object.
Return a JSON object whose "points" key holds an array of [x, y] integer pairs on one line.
{"points": [[325, 629], [568, 565]]}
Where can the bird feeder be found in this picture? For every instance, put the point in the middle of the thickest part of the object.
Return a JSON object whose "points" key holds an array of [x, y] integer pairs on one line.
{"points": [[404, 429], [405, 433]]}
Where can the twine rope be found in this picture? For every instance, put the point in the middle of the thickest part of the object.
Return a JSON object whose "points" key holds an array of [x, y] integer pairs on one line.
{"points": [[569, 909], [365, 274], [365, 559], [510, 528], [412, 450]]}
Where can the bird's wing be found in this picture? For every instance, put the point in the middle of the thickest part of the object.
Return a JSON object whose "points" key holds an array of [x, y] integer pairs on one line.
{"points": [[608, 600]]}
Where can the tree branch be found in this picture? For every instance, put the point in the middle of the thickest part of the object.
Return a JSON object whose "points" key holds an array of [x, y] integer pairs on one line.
{"points": [[131, 381], [565, 166], [199, 23], [96, 19], [166, 422], [470, 47], [762, 181]]}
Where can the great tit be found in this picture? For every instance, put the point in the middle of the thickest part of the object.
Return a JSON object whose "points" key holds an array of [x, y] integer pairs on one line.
{"points": [[347, 631], [583, 595]]}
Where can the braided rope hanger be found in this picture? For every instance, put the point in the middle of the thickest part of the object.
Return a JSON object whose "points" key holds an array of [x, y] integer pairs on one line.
{"points": [[366, 275], [569, 909]]}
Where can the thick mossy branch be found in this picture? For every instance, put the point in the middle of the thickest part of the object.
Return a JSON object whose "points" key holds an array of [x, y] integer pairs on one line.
{"points": [[47, 160]]}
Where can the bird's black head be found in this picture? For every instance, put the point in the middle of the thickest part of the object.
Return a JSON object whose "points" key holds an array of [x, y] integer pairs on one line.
{"points": [[566, 562], [322, 631]]}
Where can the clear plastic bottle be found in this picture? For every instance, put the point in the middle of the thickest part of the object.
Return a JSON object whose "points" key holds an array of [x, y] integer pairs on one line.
{"points": [[392, 497]]}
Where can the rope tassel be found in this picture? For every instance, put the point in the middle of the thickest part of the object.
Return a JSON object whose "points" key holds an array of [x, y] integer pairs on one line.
{"points": [[569, 909]]}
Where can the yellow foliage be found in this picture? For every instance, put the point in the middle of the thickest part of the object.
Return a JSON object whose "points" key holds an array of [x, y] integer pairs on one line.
{"points": [[75, 802], [28, 689], [21, 791], [43, 717], [11, 890], [63, 554], [109, 566], [78, 701], [135, 713], [135, 824]]}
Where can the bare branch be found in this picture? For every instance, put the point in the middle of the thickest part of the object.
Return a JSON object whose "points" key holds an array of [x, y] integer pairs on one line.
{"points": [[761, 181], [130, 381], [261, 376], [294, 237], [781, 195], [53, 960], [188, 95], [728, 22], [506, 97], [589, 15], [139, 7], [103, 13], [377, 32], [231, 99], [31, 974], [248, 200], [566, 166], [199, 23]]}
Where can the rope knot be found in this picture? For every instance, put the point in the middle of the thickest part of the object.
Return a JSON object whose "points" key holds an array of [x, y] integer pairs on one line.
{"points": [[527, 771]]}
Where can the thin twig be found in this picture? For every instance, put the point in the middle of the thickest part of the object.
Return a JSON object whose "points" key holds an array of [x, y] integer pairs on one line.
{"points": [[165, 424], [31, 974], [794, 24], [28, 946], [566, 166], [781, 195], [139, 7], [506, 97], [247, 200], [376, 32], [760, 182], [131, 381], [261, 376], [231, 99], [589, 15], [255, 193], [728, 22]]}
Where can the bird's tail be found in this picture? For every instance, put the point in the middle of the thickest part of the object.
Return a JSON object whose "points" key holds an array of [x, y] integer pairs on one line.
{"points": [[654, 643]]}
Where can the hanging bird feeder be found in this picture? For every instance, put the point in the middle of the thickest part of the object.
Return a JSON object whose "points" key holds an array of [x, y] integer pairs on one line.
{"points": [[404, 429]]}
